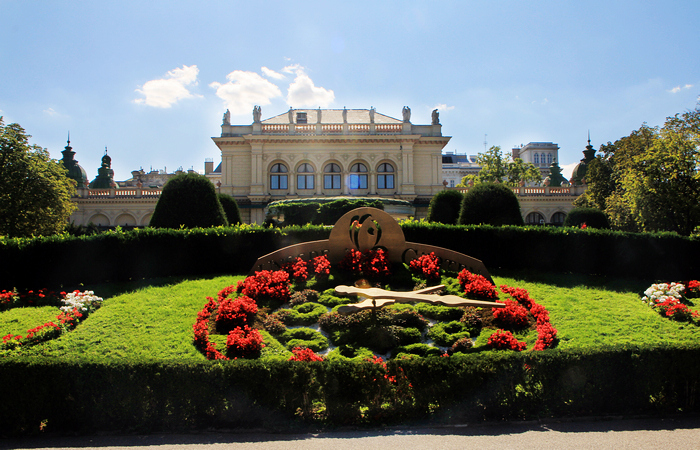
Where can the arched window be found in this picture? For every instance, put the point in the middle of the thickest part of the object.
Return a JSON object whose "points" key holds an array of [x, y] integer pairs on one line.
{"points": [[534, 218], [278, 176], [358, 176], [549, 159], [537, 159], [558, 218], [385, 176], [331, 176], [305, 176]]}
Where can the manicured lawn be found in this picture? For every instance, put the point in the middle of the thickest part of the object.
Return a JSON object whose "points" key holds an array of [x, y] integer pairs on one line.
{"points": [[155, 322]]}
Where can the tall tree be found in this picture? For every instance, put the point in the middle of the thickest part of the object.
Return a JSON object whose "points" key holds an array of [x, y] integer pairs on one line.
{"points": [[650, 180], [35, 191], [495, 168]]}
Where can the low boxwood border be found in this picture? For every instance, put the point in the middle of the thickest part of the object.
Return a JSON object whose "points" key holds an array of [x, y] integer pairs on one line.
{"points": [[73, 395]]}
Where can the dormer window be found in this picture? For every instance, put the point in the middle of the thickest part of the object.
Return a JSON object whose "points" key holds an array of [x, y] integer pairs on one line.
{"points": [[301, 117]]}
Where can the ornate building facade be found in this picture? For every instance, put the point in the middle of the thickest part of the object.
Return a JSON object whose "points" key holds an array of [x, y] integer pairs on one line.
{"points": [[328, 153], [318, 153]]}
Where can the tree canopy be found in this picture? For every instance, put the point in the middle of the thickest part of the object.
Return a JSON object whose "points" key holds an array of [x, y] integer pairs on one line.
{"points": [[497, 168], [490, 204], [650, 180], [35, 191], [188, 200]]}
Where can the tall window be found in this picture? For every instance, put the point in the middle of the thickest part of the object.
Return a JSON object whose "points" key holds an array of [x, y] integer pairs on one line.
{"points": [[358, 176], [278, 176], [385, 176], [549, 159], [305, 176], [331, 176], [558, 218], [537, 159]]}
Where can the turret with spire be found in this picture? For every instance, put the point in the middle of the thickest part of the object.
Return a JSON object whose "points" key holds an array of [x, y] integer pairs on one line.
{"points": [[105, 174], [578, 175], [75, 171]]}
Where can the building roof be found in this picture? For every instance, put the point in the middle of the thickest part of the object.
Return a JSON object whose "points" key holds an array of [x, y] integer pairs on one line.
{"points": [[332, 116]]}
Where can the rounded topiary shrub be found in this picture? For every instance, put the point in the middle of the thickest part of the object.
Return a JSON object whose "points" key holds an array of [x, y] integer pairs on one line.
{"points": [[490, 204], [188, 200], [592, 217], [444, 207], [233, 215]]}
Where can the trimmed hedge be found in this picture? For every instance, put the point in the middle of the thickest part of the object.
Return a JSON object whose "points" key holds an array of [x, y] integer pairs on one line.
{"points": [[67, 261], [141, 396]]}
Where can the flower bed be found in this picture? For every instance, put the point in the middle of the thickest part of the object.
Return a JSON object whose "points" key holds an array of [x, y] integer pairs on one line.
{"points": [[671, 300], [302, 294], [75, 307]]}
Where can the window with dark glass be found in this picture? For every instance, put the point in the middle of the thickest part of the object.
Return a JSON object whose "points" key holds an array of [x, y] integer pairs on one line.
{"points": [[537, 159], [331, 176], [278, 176], [549, 159], [358, 176], [301, 117], [305, 176], [385, 176]]}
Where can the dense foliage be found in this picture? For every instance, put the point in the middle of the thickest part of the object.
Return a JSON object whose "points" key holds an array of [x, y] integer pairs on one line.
{"points": [[35, 191], [188, 200], [495, 168], [233, 214], [649, 180], [590, 217], [319, 211], [444, 207], [490, 204]]}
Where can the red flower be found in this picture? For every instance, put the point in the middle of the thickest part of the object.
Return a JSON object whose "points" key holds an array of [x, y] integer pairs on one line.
{"points": [[513, 315], [427, 266], [304, 354], [476, 286], [504, 340]]}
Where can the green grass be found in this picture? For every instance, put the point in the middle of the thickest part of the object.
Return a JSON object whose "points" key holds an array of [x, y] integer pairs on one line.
{"points": [[155, 322]]}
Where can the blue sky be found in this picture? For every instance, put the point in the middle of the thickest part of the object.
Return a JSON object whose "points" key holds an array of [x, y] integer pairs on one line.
{"points": [[151, 80]]}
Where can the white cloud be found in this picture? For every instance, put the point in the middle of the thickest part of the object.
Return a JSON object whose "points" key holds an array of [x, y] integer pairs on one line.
{"points": [[164, 92], [442, 107], [245, 90], [568, 169], [51, 112], [677, 89], [302, 91], [269, 73]]}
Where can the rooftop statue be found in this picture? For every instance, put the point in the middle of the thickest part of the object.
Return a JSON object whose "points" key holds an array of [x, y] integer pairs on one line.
{"points": [[406, 111], [290, 114], [371, 114], [227, 117], [318, 115], [257, 112], [345, 115], [436, 117]]}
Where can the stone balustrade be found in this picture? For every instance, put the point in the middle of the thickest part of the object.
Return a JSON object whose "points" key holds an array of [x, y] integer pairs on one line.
{"points": [[130, 192], [330, 129]]}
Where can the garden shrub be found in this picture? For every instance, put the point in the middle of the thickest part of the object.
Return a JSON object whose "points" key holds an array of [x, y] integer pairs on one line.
{"points": [[462, 345], [231, 211], [329, 299], [591, 217], [188, 200], [307, 295], [419, 349], [439, 312], [445, 206], [346, 352], [514, 315], [304, 314], [446, 334], [490, 204], [303, 337], [330, 212]]}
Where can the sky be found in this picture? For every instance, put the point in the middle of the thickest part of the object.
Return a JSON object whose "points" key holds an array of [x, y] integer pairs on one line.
{"points": [[150, 81]]}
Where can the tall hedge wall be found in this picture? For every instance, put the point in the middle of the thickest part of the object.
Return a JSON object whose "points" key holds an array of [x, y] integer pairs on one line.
{"points": [[140, 396], [149, 253]]}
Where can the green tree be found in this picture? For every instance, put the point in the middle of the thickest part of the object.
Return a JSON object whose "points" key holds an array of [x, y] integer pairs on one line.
{"points": [[497, 168], [491, 204], [650, 180], [233, 214], [592, 217], [35, 191], [444, 207], [188, 200]]}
